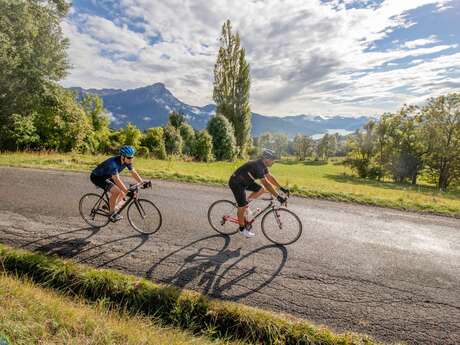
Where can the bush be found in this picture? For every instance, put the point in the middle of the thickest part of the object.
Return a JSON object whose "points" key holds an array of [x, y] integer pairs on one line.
{"points": [[173, 140], [223, 138], [202, 148]]}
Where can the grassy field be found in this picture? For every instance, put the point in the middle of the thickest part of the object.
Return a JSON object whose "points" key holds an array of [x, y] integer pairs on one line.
{"points": [[331, 181], [33, 315]]}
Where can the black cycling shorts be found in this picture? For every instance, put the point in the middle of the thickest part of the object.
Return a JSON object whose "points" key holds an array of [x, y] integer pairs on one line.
{"points": [[239, 190], [104, 182]]}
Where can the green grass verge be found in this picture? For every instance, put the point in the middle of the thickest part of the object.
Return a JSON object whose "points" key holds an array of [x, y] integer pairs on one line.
{"points": [[330, 181], [33, 315], [188, 310]]}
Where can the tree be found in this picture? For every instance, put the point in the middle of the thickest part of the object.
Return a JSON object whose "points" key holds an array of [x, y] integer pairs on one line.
{"points": [[61, 122], [361, 147], [327, 146], [32, 54], [280, 144], [154, 141], [99, 139], [223, 140], [404, 149], [173, 140], [231, 86], [441, 131], [22, 132], [188, 137], [303, 146], [176, 119], [202, 148], [130, 135], [266, 141]]}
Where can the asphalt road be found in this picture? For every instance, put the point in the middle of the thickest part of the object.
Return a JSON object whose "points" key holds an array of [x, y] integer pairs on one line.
{"points": [[390, 274]]}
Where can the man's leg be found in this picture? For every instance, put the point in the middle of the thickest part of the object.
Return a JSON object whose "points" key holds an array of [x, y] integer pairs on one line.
{"points": [[115, 194], [240, 213], [255, 195]]}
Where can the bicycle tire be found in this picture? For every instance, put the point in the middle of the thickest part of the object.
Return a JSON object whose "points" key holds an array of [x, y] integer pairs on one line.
{"points": [[141, 206], [273, 213], [232, 209], [87, 217]]}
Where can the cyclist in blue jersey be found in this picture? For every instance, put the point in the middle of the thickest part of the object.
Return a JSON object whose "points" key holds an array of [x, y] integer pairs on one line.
{"points": [[106, 176]]}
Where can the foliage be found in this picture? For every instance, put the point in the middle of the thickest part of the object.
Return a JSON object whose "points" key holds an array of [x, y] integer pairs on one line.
{"points": [[130, 135], [441, 131], [32, 53], [60, 121], [231, 86], [176, 119], [326, 147], [188, 137], [303, 146], [153, 139], [173, 140], [202, 148], [223, 140]]}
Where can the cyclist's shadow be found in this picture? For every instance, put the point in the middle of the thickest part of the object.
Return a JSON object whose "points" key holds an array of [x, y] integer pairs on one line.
{"points": [[211, 271]]}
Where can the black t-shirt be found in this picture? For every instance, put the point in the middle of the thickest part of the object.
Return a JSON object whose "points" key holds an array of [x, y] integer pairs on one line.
{"points": [[250, 171]]}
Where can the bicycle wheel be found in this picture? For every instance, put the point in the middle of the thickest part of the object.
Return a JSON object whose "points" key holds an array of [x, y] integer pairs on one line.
{"points": [[144, 216], [281, 226], [91, 207], [222, 216]]}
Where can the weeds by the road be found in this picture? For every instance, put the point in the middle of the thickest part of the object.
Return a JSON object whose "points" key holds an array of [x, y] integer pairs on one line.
{"points": [[179, 308], [33, 315], [327, 181]]}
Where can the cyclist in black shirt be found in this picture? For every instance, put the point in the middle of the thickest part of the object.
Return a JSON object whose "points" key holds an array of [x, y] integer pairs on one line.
{"points": [[244, 179]]}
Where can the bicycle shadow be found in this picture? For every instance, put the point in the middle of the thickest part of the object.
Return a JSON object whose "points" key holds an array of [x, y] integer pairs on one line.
{"points": [[77, 246], [215, 272]]}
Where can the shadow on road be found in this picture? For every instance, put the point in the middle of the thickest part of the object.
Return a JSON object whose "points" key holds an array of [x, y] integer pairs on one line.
{"points": [[209, 265], [73, 247]]}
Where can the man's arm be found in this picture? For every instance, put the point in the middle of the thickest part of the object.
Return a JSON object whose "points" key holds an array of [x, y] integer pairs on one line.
{"points": [[272, 180], [136, 176], [266, 182]]}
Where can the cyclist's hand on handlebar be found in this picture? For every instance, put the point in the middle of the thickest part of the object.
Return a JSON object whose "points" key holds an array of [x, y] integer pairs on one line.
{"points": [[147, 184], [281, 199], [285, 190]]}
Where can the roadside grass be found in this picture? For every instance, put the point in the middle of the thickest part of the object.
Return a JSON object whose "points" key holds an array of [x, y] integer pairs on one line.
{"points": [[331, 181], [171, 306], [33, 315]]}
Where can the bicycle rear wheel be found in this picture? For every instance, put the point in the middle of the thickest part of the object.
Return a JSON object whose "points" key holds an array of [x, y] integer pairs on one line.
{"points": [[144, 216], [281, 226], [91, 207], [222, 216]]}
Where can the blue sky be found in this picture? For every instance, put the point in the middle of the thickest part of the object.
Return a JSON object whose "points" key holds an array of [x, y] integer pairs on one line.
{"points": [[347, 57]]}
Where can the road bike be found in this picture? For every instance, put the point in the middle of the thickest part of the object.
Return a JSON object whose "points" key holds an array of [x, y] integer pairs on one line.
{"points": [[279, 225], [143, 215]]}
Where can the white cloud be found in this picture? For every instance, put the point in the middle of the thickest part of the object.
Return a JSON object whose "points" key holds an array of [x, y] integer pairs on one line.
{"points": [[420, 42], [305, 56]]}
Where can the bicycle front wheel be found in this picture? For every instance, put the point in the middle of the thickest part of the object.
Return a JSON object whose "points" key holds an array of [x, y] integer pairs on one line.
{"points": [[144, 216], [281, 226], [222, 216], [94, 210]]}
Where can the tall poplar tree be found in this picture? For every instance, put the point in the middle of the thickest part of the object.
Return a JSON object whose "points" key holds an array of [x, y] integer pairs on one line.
{"points": [[231, 86]]}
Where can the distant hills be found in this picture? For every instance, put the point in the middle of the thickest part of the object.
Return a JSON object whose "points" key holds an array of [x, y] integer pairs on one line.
{"points": [[149, 106]]}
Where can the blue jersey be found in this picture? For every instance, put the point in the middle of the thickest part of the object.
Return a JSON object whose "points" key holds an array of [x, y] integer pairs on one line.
{"points": [[111, 167]]}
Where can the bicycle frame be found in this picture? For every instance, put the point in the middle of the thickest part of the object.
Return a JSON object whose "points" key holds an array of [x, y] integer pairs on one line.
{"points": [[233, 219], [97, 210]]}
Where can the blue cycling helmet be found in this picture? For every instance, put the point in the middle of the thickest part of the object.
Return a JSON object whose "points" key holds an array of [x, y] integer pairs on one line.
{"points": [[268, 154], [127, 151]]}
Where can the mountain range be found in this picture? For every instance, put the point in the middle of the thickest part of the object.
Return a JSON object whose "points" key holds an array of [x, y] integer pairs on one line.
{"points": [[149, 106]]}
